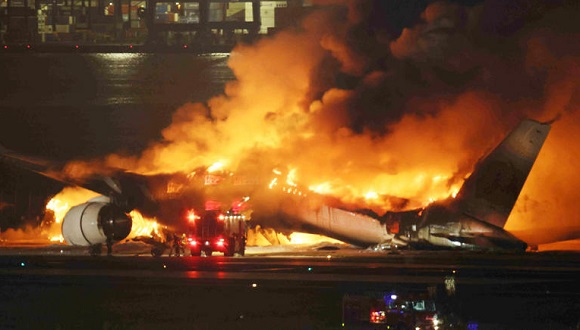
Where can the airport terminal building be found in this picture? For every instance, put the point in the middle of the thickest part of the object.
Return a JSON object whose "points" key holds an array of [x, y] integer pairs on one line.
{"points": [[186, 23]]}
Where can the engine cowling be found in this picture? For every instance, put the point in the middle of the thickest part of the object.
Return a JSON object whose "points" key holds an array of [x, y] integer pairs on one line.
{"points": [[90, 223]]}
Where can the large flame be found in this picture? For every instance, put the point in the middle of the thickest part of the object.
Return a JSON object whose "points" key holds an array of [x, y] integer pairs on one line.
{"points": [[353, 109], [143, 226]]}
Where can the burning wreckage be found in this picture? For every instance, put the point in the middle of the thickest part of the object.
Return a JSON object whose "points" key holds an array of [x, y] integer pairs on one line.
{"points": [[473, 219]]}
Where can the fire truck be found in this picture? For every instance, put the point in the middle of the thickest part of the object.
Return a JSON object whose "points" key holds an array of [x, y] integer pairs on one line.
{"points": [[214, 230], [391, 311]]}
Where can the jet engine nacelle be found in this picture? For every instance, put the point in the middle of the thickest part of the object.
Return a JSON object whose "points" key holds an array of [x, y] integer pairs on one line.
{"points": [[90, 223]]}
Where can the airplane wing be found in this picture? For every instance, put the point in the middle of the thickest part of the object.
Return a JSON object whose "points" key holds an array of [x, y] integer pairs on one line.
{"points": [[40, 166], [128, 190]]}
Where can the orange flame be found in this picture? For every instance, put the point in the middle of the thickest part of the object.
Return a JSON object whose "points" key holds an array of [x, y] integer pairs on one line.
{"points": [[298, 238], [425, 106], [143, 226]]}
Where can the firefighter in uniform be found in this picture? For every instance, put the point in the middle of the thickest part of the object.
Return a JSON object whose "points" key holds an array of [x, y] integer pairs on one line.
{"points": [[176, 246]]}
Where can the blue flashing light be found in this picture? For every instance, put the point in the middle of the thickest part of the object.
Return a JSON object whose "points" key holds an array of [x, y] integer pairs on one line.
{"points": [[390, 299], [472, 326]]}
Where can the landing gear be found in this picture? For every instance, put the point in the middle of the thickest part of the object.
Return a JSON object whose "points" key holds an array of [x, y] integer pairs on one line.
{"points": [[109, 245], [157, 252], [95, 250]]}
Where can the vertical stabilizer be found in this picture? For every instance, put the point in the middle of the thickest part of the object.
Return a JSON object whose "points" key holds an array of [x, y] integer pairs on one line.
{"points": [[491, 191]]}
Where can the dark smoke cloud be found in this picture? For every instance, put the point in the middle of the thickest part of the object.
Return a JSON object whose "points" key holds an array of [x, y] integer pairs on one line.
{"points": [[452, 49]]}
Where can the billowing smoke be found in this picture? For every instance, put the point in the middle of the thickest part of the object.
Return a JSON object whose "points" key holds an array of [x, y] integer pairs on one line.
{"points": [[393, 119]]}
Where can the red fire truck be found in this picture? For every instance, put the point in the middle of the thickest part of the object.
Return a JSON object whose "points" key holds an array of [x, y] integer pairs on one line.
{"points": [[213, 230]]}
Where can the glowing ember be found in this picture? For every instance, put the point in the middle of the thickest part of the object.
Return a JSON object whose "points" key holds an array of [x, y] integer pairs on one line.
{"points": [[273, 183]]}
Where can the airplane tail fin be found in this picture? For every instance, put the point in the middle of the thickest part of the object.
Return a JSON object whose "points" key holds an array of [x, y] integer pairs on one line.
{"points": [[490, 192]]}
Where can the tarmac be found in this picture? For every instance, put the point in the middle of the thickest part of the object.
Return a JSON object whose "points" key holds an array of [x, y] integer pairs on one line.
{"points": [[279, 287]]}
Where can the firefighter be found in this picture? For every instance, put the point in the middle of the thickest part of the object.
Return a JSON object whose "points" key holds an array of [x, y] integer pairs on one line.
{"points": [[176, 247], [169, 242], [109, 245]]}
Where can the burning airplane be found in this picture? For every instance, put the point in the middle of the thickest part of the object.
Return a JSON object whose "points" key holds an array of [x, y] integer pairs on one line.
{"points": [[379, 126], [474, 219]]}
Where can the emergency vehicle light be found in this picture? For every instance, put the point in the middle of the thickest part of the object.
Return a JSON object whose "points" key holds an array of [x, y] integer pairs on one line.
{"points": [[191, 216]]}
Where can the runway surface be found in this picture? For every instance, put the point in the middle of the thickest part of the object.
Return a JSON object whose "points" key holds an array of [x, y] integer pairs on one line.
{"points": [[274, 288]]}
